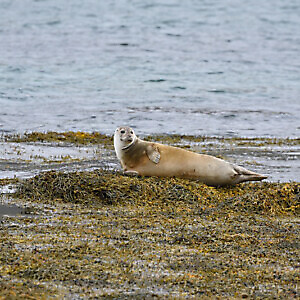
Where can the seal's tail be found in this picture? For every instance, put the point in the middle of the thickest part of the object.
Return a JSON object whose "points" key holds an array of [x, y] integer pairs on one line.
{"points": [[243, 175]]}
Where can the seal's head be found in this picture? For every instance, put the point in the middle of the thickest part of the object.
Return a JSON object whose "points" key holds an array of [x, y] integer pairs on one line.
{"points": [[124, 138]]}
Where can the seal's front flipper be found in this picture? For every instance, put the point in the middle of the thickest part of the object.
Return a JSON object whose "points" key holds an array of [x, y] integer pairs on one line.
{"points": [[131, 173], [153, 153]]}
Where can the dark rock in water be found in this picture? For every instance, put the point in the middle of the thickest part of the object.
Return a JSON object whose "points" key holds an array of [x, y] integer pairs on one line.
{"points": [[10, 210]]}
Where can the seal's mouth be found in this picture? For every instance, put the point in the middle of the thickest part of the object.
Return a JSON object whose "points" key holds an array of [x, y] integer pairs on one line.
{"points": [[131, 142], [126, 139], [128, 146]]}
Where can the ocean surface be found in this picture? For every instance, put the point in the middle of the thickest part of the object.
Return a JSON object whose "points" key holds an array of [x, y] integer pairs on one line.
{"points": [[216, 68]]}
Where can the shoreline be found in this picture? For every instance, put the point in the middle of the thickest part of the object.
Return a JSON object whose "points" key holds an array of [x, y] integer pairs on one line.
{"points": [[31, 153]]}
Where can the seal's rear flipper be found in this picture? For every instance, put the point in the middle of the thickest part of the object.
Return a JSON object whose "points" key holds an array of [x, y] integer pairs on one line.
{"points": [[243, 175]]}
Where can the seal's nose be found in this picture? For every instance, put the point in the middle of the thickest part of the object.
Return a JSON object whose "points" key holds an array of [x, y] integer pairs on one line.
{"points": [[129, 139]]}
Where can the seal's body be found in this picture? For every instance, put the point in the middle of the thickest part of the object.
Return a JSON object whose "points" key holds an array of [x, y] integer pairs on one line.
{"points": [[154, 159]]}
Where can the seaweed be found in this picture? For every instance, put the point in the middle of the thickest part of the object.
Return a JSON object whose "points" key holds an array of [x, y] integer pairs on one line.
{"points": [[110, 187], [101, 234], [7, 181], [80, 137]]}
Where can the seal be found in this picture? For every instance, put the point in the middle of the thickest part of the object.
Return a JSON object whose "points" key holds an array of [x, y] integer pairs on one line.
{"points": [[153, 159]]}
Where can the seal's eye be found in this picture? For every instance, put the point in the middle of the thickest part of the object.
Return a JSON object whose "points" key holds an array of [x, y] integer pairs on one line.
{"points": [[131, 132], [122, 131]]}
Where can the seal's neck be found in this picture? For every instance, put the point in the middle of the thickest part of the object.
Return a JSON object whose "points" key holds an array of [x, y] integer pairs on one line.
{"points": [[120, 148]]}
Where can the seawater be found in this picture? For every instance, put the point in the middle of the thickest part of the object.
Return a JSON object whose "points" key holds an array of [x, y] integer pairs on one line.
{"points": [[224, 68]]}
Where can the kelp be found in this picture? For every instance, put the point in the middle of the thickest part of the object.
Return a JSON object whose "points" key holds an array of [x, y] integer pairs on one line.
{"points": [[102, 187], [79, 137], [101, 234]]}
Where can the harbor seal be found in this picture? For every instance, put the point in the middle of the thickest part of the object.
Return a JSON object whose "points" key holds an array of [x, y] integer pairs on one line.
{"points": [[153, 159]]}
